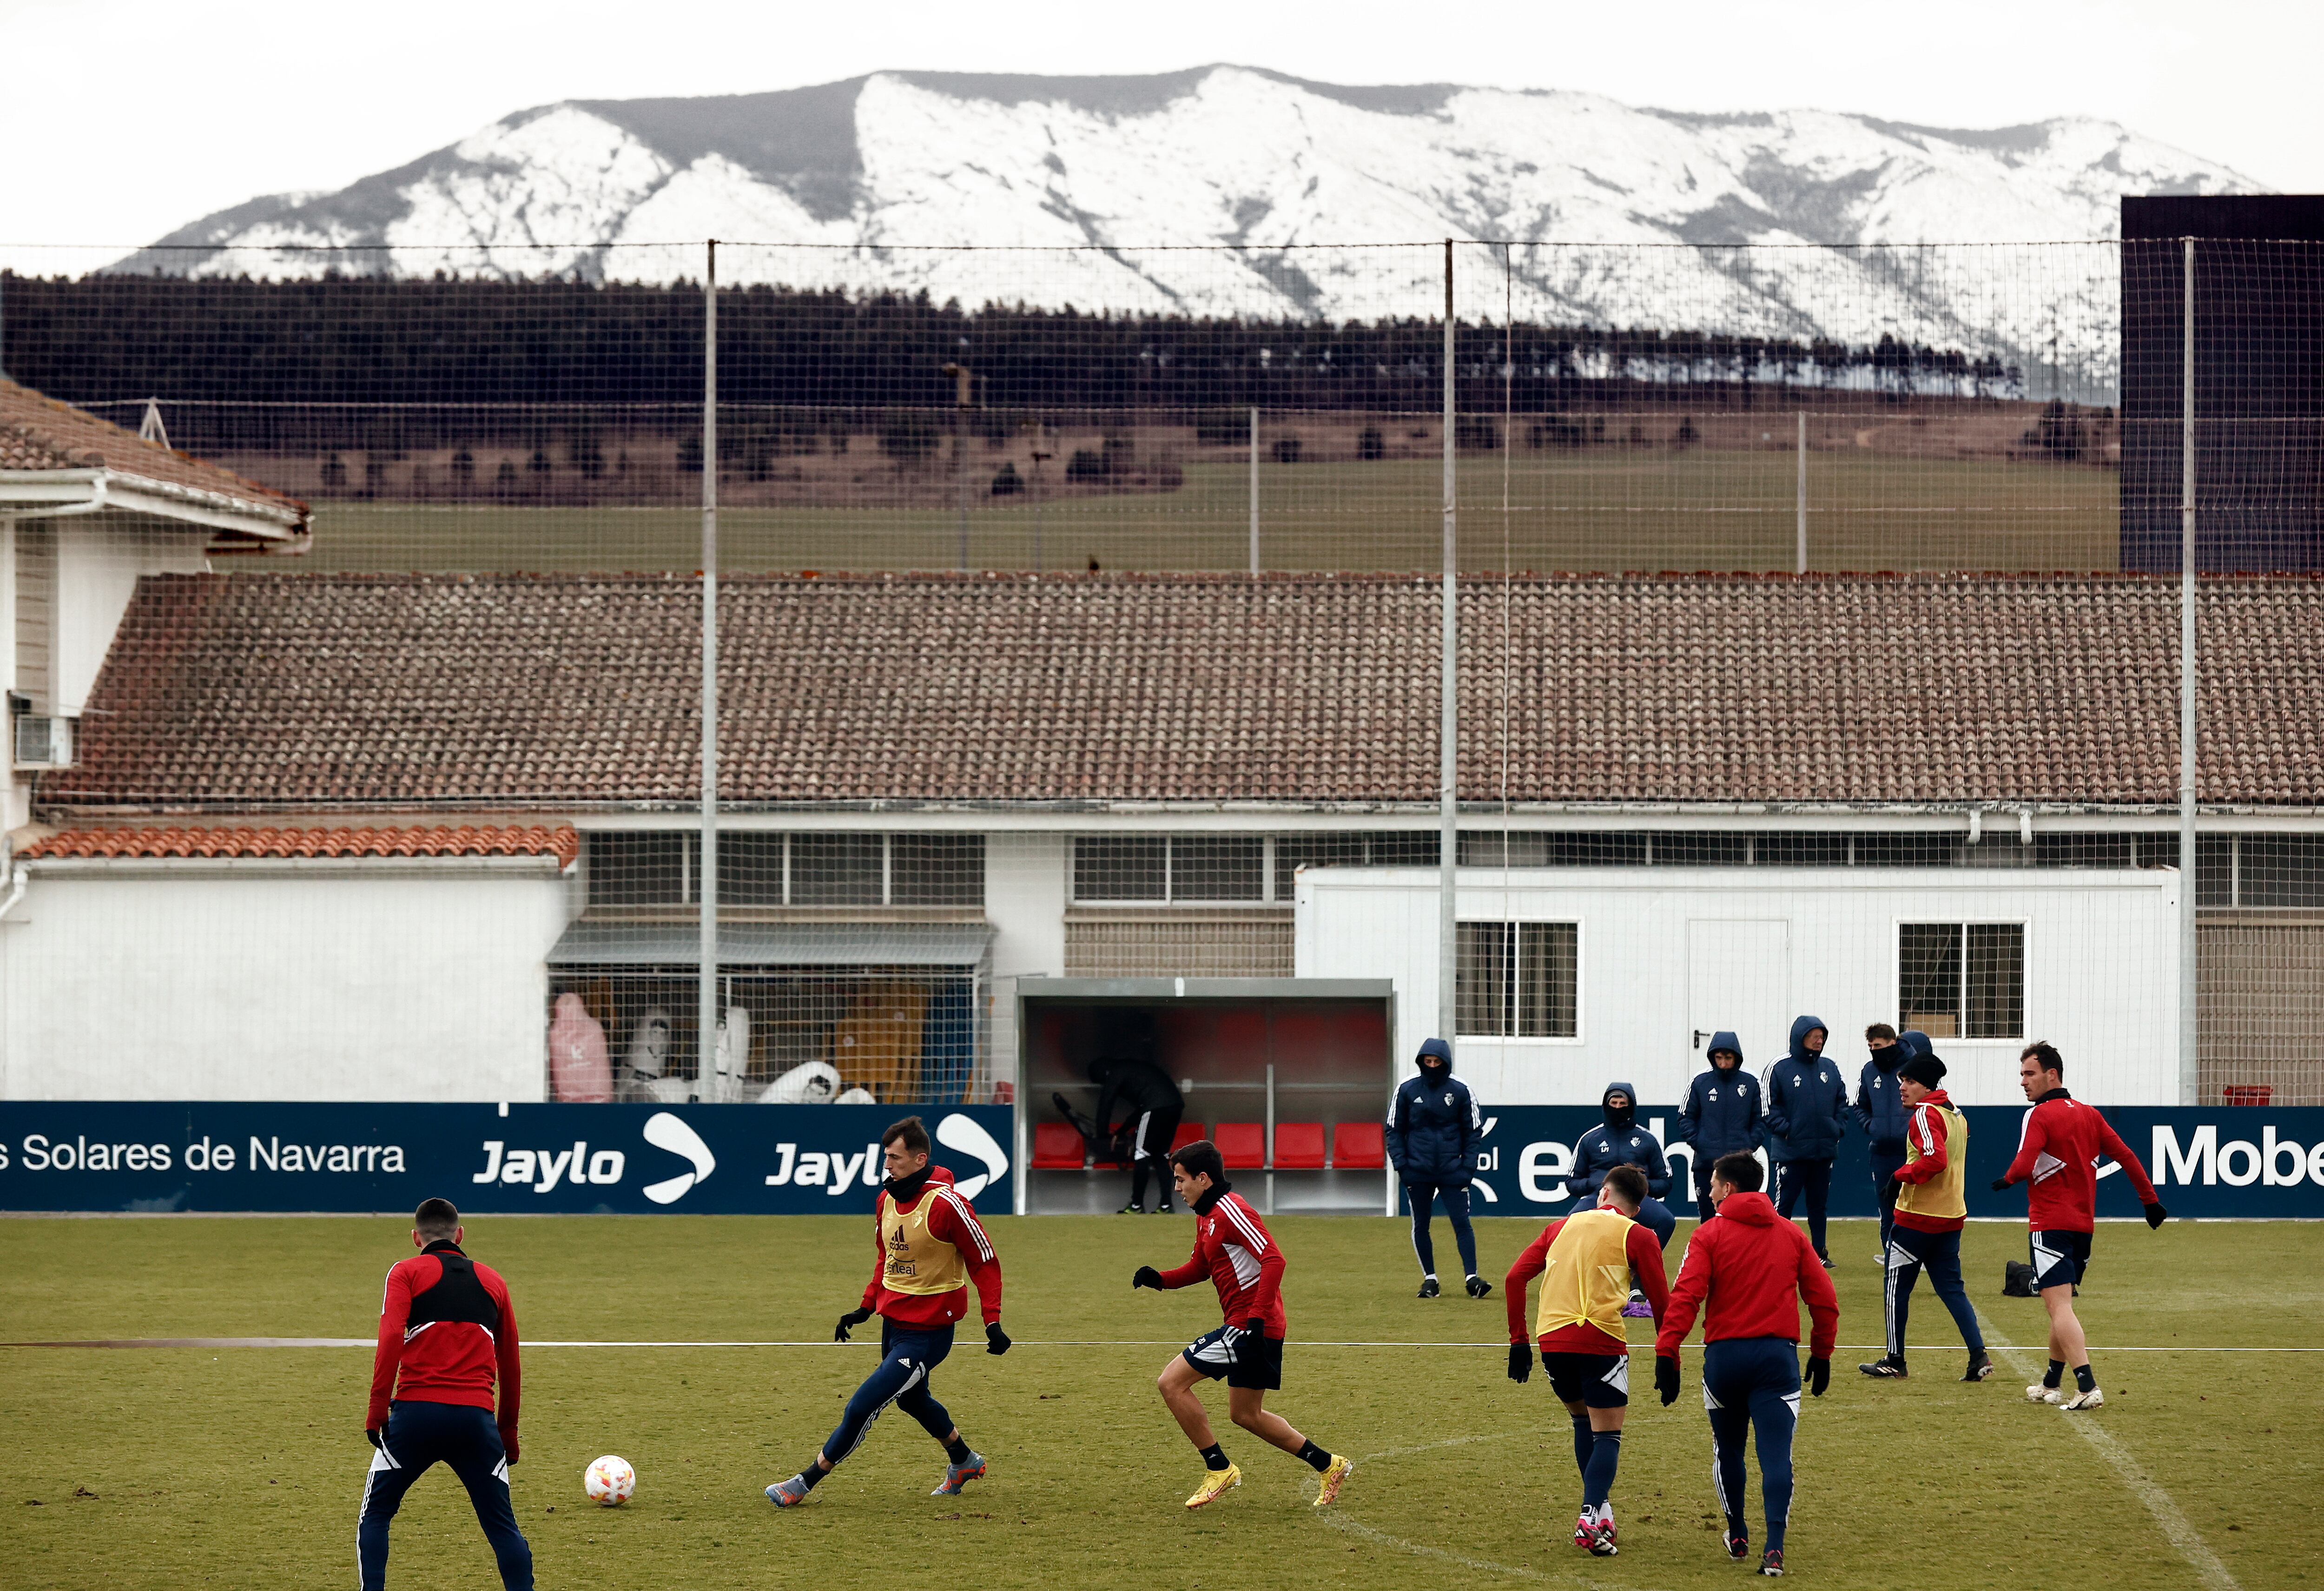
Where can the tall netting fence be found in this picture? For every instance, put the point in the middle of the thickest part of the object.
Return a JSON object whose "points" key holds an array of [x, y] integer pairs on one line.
{"points": [[1000, 700]]}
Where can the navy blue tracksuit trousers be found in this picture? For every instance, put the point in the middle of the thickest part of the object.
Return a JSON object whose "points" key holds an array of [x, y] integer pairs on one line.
{"points": [[418, 1436], [906, 1356], [1753, 1383], [1424, 1196], [1910, 1252]]}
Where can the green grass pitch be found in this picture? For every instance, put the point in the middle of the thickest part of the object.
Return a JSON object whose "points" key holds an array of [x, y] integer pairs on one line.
{"points": [[129, 1468]]}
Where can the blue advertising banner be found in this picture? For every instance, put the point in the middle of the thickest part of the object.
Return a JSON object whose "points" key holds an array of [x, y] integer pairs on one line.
{"points": [[2244, 1162], [570, 1159]]}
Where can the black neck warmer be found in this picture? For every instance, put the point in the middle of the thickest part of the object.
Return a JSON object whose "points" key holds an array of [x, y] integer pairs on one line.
{"points": [[1218, 1190], [904, 1190]]}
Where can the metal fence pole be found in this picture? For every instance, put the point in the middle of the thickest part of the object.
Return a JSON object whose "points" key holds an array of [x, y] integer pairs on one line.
{"points": [[1448, 950], [1254, 488], [1800, 492], [707, 1079], [2190, 1064]]}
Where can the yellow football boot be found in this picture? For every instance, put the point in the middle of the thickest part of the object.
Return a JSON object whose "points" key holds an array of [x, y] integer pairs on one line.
{"points": [[1216, 1484], [1334, 1476]]}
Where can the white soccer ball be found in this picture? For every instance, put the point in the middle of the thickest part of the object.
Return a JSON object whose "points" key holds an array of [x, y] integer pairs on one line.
{"points": [[609, 1481]]}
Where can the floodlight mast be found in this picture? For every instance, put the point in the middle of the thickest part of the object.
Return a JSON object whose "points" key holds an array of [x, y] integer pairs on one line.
{"points": [[708, 1084]]}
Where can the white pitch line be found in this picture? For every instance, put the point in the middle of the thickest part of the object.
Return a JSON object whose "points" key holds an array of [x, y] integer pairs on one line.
{"points": [[303, 1342], [2176, 1527]]}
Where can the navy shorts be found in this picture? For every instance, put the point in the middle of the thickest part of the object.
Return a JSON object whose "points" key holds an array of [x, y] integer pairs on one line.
{"points": [[2060, 1259], [1239, 1357], [1595, 1381]]}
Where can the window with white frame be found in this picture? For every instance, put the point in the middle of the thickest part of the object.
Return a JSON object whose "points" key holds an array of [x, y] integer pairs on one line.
{"points": [[1519, 980], [1175, 869], [1962, 979]]}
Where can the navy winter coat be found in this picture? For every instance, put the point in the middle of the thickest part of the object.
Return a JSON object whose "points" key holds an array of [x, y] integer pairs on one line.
{"points": [[1603, 1148], [1433, 1130], [1721, 1113], [1807, 1101], [1880, 1109]]}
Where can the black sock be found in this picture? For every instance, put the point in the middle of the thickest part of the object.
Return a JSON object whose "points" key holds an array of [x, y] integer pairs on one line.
{"points": [[957, 1451], [812, 1471], [2055, 1374], [1317, 1459], [2084, 1380], [1213, 1457]]}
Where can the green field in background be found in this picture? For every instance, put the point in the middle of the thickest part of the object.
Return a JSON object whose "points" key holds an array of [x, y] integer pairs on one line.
{"points": [[244, 1467], [1596, 510]]}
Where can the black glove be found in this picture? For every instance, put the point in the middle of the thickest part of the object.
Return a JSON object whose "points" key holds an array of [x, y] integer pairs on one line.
{"points": [[1520, 1362], [1148, 1276], [2001, 1185], [1256, 1324], [373, 1435], [1819, 1375], [509, 1449], [2156, 1215], [996, 1342], [1890, 1191], [1667, 1379], [848, 1322]]}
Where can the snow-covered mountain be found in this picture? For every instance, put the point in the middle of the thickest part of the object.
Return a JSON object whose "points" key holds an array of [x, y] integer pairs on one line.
{"points": [[1228, 190]]}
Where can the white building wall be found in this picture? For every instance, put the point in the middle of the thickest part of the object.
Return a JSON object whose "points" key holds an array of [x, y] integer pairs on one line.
{"points": [[371, 979], [1025, 887], [98, 563], [1666, 953]]}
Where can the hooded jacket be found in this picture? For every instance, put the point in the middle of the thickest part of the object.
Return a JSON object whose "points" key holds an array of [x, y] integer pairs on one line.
{"points": [[1880, 1109], [1133, 1087], [1721, 1113], [1603, 1148], [1433, 1127], [1807, 1101], [1749, 1271]]}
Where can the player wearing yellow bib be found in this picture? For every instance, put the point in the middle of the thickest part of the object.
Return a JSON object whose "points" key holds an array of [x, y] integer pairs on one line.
{"points": [[1930, 1213], [1585, 1262], [929, 1247]]}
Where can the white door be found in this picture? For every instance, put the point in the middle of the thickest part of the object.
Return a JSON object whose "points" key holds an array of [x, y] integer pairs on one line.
{"points": [[1739, 976]]}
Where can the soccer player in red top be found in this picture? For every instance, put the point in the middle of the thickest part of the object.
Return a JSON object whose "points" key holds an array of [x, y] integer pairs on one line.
{"points": [[447, 1332], [1590, 1259], [1749, 1270], [928, 1246], [1234, 1249], [2057, 1160]]}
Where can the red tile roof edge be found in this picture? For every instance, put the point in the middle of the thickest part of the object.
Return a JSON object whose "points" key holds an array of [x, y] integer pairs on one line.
{"points": [[560, 841], [23, 409]]}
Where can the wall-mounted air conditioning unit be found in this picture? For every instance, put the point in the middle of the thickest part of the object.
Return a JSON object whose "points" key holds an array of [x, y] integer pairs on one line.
{"points": [[43, 743]]}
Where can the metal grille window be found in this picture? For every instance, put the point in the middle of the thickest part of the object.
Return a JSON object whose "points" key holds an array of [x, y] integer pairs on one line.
{"points": [[1519, 980], [1174, 869], [759, 870], [640, 869], [1962, 979]]}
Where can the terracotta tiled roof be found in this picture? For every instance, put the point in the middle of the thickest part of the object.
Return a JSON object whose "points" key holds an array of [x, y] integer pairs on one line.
{"points": [[40, 433], [558, 840], [509, 692]]}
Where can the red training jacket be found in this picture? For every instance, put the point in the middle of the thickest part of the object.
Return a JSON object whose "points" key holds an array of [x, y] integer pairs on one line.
{"points": [[1645, 1256], [952, 1219], [1752, 1267], [1233, 1248], [445, 1331], [1929, 1129], [2057, 1158]]}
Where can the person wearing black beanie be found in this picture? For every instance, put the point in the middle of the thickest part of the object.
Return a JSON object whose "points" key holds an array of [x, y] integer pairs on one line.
{"points": [[1930, 1209]]}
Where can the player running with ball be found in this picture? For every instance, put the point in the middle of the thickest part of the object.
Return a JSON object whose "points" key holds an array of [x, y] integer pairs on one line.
{"points": [[1234, 1249], [1585, 1263], [928, 1246], [2057, 1160]]}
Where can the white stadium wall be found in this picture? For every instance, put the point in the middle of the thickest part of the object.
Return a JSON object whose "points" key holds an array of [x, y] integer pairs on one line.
{"points": [[1666, 954], [418, 980]]}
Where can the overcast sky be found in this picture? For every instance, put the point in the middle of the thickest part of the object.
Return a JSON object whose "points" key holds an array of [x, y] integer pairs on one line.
{"points": [[124, 118]]}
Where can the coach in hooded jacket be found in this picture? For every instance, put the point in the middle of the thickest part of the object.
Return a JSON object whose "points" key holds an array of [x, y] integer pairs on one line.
{"points": [[1619, 1140], [1807, 1114], [1881, 1112], [1720, 1115], [1432, 1134]]}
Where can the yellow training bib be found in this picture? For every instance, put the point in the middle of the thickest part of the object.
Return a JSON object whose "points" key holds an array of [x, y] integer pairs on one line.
{"points": [[1589, 1275], [1940, 1196], [917, 1262]]}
